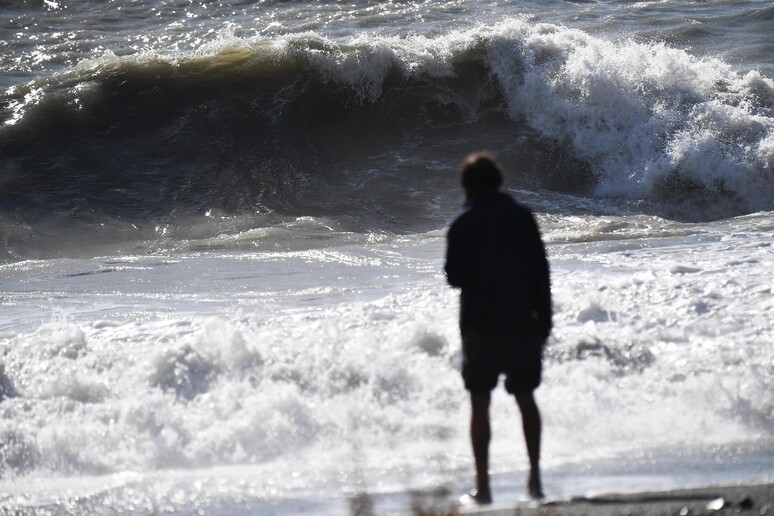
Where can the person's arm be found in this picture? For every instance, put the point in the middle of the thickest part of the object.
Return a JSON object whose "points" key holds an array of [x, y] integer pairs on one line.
{"points": [[542, 285], [456, 257]]}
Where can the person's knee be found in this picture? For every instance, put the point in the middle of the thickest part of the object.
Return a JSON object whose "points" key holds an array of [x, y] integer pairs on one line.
{"points": [[480, 404], [526, 402]]}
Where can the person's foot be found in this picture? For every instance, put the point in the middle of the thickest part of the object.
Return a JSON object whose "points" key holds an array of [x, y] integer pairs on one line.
{"points": [[535, 488], [477, 497]]}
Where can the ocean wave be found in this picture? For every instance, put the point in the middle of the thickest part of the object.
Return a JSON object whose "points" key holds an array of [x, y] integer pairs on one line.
{"points": [[305, 125], [764, 13]]}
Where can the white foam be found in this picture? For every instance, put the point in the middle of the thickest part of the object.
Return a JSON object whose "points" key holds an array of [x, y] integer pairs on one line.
{"points": [[359, 384]]}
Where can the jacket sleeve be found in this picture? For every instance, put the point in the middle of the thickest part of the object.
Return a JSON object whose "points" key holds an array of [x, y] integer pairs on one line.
{"points": [[457, 261]]}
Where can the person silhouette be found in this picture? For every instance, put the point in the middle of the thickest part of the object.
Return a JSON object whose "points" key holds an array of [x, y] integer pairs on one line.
{"points": [[496, 256]]}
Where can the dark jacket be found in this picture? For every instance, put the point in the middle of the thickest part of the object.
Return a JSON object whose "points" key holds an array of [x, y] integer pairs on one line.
{"points": [[496, 256]]}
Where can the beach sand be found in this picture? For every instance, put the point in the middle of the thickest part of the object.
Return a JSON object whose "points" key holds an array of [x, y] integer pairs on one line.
{"points": [[717, 500]]}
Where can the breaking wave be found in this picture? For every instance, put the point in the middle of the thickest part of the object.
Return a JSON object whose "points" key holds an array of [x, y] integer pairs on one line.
{"points": [[370, 128]]}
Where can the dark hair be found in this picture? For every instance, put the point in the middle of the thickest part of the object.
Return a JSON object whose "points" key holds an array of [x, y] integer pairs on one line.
{"points": [[480, 173]]}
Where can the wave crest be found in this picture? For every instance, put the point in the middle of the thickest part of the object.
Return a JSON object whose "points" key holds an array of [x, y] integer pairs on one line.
{"points": [[290, 124]]}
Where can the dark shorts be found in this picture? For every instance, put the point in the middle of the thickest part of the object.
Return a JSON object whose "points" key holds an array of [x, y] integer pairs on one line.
{"points": [[485, 358]]}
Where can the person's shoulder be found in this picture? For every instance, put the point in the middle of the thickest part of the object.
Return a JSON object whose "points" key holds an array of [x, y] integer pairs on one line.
{"points": [[516, 206], [461, 219]]}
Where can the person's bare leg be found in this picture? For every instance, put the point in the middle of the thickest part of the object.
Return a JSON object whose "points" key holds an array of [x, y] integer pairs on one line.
{"points": [[480, 435], [530, 420]]}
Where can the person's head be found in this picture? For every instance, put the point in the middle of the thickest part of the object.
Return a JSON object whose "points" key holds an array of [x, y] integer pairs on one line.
{"points": [[480, 175]]}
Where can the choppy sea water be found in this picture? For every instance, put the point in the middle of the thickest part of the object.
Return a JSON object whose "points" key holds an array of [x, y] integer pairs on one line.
{"points": [[223, 230]]}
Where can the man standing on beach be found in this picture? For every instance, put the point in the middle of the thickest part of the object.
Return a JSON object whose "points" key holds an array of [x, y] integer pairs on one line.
{"points": [[495, 255]]}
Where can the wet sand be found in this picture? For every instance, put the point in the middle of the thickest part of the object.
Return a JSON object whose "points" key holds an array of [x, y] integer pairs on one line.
{"points": [[744, 500], [717, 500]]}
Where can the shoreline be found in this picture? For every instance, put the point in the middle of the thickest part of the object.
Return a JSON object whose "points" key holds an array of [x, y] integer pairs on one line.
{"points": [[722, 499], [757, 499]]}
